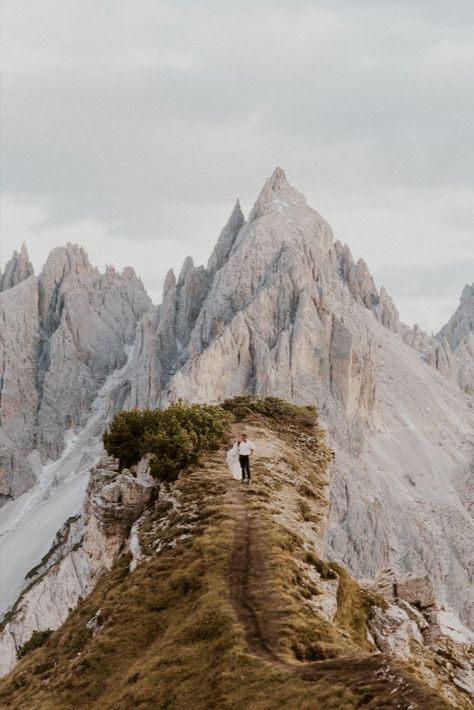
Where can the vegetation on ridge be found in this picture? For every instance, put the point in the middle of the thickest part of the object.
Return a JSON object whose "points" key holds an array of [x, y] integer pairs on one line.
{"points": [[36, 640], [169, 636], [173, 438], [177, 436]]}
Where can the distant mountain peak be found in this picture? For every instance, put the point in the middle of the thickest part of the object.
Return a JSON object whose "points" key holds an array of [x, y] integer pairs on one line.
{"points": [[467, 295], [17, 269], [227, 238], [65, 260]]}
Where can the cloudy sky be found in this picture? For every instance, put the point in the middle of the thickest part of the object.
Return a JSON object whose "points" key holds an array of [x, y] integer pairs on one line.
{"points": [[130, 126]]}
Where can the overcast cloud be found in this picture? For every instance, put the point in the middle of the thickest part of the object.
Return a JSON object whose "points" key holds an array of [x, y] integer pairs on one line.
{"points": [[131, 127]]}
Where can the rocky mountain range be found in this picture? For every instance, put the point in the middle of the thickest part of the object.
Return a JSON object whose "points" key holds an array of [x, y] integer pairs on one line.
{"points": [[280, 309]]}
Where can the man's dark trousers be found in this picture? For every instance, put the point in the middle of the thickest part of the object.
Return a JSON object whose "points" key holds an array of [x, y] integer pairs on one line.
{"points": [[245, 466]]}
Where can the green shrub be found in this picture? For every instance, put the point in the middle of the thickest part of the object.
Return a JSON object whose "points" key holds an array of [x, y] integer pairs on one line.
{"points": [[173, 438], [123, 438], [36, 640], [272, 408]]}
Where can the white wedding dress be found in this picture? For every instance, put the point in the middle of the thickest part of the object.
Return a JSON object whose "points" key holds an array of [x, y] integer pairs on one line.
{"points": [[233, 463]]}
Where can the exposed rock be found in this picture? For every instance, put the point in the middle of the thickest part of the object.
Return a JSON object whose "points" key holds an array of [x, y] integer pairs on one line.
{"points": [[461, 323], [19, 345], [394, 631], [384, 584], [387, 311], [326, 601], [459, 333], [414, 614], [82, 551], [113, 502], [95, 623], [452, 350], [62, 334], [417, 338], [226, 239], [442, 661], [417, 591], [18, 269], [446, 622]]}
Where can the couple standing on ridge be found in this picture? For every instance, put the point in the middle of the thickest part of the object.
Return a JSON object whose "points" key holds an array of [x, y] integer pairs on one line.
{"points": [[238, 458]]}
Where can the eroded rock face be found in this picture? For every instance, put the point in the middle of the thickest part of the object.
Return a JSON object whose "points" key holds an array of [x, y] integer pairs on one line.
{"points": [[113, 502], [414, 627], [18, 269], [452, 350], [61, 335], [87, 546], [459, 333], [417, 591], [20, 342]]}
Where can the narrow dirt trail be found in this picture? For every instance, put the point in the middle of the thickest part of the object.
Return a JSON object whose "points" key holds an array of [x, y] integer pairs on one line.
{"points": [[378, 680]]}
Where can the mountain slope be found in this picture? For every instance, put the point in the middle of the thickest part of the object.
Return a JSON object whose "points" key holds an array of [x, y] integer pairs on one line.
{"points": [[289, 313], [280, 309], [172, 629]]}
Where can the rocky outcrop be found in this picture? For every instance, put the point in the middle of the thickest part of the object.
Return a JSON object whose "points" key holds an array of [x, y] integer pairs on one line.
{"points": [[417, 591], [18, 269], [451, 351], [415, 628], [87, 546], [114, 501], [458, 334]]}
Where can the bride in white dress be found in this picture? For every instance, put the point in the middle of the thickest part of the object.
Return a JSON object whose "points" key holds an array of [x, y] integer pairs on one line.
{"points": [[233, 462]]}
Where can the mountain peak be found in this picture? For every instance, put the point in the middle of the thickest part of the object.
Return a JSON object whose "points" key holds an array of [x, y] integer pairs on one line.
{"points": [[278, 176], [67, 259], [17, 269], [467, 295], [227, 238], [276, 194], [461, 324]]}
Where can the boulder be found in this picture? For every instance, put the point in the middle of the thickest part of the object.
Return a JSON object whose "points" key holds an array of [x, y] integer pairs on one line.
{"points": [[418, 591]]}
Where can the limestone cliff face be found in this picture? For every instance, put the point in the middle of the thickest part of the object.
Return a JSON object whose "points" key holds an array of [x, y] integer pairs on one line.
{"points": [[62, 334], [458, 335], [20, 342], [451, 351]]}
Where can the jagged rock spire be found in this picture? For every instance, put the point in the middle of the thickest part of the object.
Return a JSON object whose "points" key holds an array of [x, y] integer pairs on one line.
{"points": [[275, 191], [227, 239], [461, 323], [17, 269], [188, 265]]}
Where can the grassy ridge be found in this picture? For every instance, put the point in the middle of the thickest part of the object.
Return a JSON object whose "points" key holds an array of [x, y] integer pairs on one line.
{"points": [[168, 637]]}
